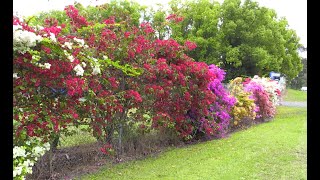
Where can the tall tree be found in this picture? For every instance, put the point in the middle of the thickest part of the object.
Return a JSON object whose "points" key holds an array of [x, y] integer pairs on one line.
{"points": [[242, 38]]}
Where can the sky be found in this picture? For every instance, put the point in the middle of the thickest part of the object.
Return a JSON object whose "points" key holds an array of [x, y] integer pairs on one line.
{"points": [[295, 11]]}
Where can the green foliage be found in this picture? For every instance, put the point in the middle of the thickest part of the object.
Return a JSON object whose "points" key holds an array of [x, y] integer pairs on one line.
{"points": [[245, 38], [122, 10], [301, 79], [96, 28], [38, 19], [127, 69], [53, 46]]}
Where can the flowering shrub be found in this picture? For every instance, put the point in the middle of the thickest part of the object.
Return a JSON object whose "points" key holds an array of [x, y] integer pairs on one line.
{"points": [[42, 82], [182, 86], [217, 122], [24, 157], [265, 108], [266, 95], [58, 82], [244, 108], [95, 72], [272, 87]]}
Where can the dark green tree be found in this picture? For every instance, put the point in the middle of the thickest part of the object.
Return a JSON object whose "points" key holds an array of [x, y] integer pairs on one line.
{"points": [[301, 79], [243, 38]]}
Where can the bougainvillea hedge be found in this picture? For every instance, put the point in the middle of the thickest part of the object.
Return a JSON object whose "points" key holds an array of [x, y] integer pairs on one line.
{"points": [[94, 73]]}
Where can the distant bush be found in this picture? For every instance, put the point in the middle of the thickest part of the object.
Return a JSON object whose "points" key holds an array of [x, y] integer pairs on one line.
{"points": [[245, 107], [266, 94]]}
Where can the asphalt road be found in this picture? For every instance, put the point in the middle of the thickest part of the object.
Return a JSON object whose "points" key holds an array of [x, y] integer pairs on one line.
{"points": [[293, 104]]}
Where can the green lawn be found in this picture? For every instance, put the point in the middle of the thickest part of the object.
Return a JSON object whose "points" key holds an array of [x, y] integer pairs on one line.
{"points": [[273, 150], [295, 95]]}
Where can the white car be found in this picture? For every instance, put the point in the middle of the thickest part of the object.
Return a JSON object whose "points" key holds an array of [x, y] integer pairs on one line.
{"points": [[304, 89]]}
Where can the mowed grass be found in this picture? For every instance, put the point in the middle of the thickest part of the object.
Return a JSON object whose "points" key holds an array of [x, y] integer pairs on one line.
{"points": [[272, 150], [295, 95]]}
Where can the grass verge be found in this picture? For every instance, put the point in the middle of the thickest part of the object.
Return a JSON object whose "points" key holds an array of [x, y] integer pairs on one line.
{"points": [[295, 95], [273, 150]]}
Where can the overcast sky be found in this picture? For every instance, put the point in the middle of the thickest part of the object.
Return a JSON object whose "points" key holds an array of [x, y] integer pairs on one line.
{"points": [[295, 11]]}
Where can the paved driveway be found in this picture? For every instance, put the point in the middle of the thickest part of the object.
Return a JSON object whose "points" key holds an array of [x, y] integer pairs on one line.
{"points": [[293, 104]]}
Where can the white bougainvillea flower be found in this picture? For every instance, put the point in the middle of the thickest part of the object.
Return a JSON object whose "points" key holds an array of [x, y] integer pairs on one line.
{"points": [[83, 99], [53, 37], [79, 70], [84, 64], [15, 76], [24, 159], [28, 163], [16, 27], [71, 58], [46, 146], [19, 151], [47, 65], [96, 70], [79, 41], [17, 171], [25, 38], [68, 44]]}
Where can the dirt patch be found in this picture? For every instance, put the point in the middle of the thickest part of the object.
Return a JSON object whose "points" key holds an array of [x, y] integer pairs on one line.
{"points": [[67, 163], [72, 162], [293, 104]]}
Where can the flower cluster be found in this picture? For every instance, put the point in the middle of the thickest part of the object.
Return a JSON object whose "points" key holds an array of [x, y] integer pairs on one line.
{"points": [[134, 94], [175, 18], [107, 149], [256, 98], [264, 92], [216, 122], [245, 107], [23, 39], [190, 45], [220, 110], [272, 87], [173, 106]]}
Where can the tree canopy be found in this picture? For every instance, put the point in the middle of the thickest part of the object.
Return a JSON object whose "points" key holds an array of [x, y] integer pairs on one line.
{"points": [[243, 38]]}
